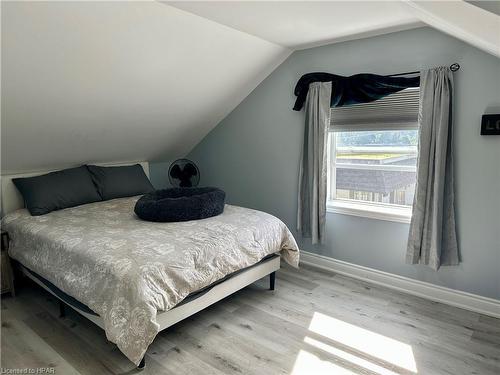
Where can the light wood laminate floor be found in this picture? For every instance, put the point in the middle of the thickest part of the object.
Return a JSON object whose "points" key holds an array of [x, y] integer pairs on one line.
{"points": [[313, 323]]}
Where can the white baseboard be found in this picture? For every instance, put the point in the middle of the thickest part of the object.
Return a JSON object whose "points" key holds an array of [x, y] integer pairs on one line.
{"points": [[457, 298]]}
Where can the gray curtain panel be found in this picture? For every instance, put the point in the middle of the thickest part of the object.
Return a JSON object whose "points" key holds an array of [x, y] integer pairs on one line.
{"points": [[311, 212], [432, 239]]}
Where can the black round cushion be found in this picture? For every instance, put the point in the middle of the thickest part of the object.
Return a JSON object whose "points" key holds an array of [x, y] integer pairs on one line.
{"points": [[180, 204]]}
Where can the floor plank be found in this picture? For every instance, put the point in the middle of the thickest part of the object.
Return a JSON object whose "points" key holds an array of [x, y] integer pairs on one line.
{"points": [[314, 322]]}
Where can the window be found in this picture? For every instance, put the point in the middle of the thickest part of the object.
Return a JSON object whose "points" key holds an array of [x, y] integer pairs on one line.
{"points": [[373, 157]]}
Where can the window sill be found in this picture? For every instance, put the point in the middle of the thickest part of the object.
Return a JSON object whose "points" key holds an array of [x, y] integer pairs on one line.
{"points": [[371, 211]]}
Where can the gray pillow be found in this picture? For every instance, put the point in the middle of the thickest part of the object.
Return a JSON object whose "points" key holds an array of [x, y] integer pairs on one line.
{"points": [[57, 190], [119, 182]]}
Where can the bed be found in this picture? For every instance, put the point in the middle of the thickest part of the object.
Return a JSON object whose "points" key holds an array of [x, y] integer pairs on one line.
{"points": [[135, 278]]}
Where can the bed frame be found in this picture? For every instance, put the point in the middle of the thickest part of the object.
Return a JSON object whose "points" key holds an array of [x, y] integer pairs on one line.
{"points": [[12, 200]]}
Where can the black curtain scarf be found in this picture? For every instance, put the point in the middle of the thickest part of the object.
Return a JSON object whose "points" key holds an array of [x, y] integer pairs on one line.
{"points": [[359, 88]]}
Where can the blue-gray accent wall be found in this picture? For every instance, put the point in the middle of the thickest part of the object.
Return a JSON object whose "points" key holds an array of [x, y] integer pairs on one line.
{"points": [[253, 154]]}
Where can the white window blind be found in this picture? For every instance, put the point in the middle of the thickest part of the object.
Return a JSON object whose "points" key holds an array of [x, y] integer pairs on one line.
{"points": [[395, 111]]}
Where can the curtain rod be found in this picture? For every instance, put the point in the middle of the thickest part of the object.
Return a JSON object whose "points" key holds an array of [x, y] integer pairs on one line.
{"points": [[453, 67]]}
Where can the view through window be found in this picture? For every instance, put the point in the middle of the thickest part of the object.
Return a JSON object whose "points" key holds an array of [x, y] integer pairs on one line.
{"points": [[377, 167]]}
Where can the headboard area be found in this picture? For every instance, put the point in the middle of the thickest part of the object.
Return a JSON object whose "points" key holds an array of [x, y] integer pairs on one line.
{"points": [[12, 200]]}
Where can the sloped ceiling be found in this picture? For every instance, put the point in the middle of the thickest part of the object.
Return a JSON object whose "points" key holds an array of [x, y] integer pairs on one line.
{"points": [[122, 81], [305, 24], [117, 81], [472, 24]]}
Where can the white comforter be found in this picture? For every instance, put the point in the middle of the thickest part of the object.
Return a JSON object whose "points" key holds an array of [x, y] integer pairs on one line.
{"points": [[126, 269]]}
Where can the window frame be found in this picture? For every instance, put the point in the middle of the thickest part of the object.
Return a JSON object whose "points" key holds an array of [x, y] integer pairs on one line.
{"points": [[380, 211]]}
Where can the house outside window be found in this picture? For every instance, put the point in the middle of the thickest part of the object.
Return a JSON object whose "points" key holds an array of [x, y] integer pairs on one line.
{"points": [[373, 157]]}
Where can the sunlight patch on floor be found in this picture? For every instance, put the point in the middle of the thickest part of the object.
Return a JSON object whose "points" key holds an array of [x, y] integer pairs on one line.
{"points": [[308, 364], [370, 344], [349, 357]]}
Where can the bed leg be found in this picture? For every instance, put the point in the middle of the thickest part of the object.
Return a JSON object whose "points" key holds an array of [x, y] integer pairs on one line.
{"points": [[62, 309], [142, 364], [272, 280]]}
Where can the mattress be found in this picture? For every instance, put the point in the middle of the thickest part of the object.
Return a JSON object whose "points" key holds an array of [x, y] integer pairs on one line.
{"points": [[126, 270]]}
